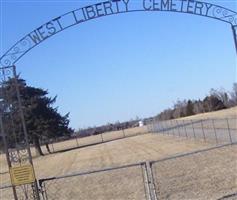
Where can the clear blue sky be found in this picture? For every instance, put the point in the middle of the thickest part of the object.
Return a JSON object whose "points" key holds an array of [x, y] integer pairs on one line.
{"points": [[123, 66]]}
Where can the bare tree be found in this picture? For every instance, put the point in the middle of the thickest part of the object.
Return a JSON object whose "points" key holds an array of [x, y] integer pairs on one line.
{"points": [[222, 95]]}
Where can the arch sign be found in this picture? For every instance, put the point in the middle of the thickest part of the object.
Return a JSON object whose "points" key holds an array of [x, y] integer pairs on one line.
{"points": [[113, 7]]}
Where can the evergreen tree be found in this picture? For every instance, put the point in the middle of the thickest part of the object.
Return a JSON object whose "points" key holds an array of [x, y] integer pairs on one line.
{"points": [[42, 119], [189, 108]]}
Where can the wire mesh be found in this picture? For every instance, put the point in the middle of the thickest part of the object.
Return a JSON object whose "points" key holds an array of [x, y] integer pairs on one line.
{"points": [[124, 183], [23, 192], [233, 128], [219, 131], [6, 193], [204, 175], [55, 145]]}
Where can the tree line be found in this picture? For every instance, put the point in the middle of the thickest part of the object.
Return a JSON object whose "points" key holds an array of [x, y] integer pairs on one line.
{"points": [[107, 128], [217, 99]]}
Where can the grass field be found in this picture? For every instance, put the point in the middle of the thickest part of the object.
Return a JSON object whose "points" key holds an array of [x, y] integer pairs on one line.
{"points": [[95, 139], [220, 126], [226, 113], [124, 151], [206, 175], [213, 175]]}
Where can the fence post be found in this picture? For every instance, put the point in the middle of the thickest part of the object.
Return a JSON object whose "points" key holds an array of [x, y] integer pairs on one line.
{"points": [[194, 134], [161, 127], [153, 125], [178, 127], [124, 133], [167, 127], [204, 137], [148, 127], [151, 190], [163, 124], [77, 142], [52, 146], [158, 127], [229, 130], [185, 129], [146, 181], [213, 124], [43, 190], [172, 127]]}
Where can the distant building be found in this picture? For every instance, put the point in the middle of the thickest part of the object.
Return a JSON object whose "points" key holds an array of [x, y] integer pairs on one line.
{"points": [[141, 123]]}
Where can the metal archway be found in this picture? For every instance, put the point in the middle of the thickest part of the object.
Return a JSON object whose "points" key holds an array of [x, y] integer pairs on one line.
{"points": [[107, 8]]}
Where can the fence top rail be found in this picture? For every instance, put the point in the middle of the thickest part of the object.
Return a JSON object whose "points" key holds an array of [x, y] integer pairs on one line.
{"points": [[92, 172], [199, 120], [5, 187], [193, 152], [136, 164]]}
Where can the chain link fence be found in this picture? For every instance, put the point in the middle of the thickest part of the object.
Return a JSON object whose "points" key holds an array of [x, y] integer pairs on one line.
{"points": [[24, 192], [126, 182], [55, 145], [213, 130], [205, 174], [122, 182]]}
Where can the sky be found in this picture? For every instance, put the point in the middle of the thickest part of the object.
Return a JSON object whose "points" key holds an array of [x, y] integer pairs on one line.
{"points": [[116, 68]]}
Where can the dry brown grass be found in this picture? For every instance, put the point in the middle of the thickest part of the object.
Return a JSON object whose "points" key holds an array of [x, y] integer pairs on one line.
{"points": [[226, 113], [125, 151], [207, 177], [73, 143], [126, 183]]}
